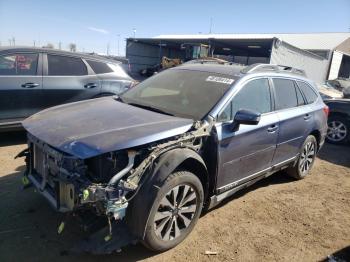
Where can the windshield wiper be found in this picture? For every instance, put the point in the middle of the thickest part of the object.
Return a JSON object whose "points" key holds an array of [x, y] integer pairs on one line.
{"points": [[151, 108]]}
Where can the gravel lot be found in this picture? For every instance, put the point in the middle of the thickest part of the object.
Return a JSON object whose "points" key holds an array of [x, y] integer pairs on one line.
{"points": [[276, 219]]}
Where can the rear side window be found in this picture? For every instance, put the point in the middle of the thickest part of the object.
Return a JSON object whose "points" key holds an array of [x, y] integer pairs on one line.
{"points": [[309, 93], [19, 64], [286, 96], [255, 95], [99, 67], [65, 66]]}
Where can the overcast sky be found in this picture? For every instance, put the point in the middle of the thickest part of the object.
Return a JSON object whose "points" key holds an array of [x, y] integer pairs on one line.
{"points": [[93, 25]]}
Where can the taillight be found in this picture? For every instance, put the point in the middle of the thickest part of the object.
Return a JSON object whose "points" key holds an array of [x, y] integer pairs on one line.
{"points": [[326, 110]]}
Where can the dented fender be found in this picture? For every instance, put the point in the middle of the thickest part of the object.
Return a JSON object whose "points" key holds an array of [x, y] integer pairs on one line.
{"points": [[140, 206]]}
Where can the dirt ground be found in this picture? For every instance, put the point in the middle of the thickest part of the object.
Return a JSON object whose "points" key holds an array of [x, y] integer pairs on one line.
{"points": [[278, 219]]}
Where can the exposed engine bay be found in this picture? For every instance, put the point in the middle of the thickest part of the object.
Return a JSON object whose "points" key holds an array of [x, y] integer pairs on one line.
{"points": [[104, 185]]}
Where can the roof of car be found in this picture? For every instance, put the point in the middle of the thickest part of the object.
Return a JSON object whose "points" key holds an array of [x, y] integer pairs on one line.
{"points": [[55, 51]]}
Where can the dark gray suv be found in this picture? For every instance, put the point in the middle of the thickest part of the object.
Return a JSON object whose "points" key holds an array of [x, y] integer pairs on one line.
{"points": [[32, 79], [187, 138]]}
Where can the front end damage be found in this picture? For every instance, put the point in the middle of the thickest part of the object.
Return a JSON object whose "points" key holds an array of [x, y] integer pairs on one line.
{"points": [[101, 186]]}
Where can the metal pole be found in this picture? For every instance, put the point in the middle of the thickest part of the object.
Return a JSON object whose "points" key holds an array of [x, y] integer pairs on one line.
{"points": [[211, 24], [118, 44]]}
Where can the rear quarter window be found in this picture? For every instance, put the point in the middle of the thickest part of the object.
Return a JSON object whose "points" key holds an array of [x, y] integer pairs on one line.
{"points": [[308, 92], [99, 67], [117, 69]]}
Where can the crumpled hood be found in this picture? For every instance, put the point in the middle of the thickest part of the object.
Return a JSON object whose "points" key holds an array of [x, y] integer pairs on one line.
{"points": [[89, 128]]}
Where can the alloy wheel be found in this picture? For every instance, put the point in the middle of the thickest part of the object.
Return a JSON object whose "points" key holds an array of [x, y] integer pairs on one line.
{"points": [[175, 212], [337, 131], [307, 157]]}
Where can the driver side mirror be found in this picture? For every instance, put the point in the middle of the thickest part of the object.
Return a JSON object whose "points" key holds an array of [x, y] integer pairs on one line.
{"points": [[245, 117]]}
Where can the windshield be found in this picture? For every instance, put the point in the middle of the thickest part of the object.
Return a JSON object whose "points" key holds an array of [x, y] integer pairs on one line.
{"points": [[183, 93]]}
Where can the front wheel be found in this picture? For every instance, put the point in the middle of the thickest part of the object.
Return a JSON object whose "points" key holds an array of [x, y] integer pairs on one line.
{"points": [[306, 159], [175, 211]]}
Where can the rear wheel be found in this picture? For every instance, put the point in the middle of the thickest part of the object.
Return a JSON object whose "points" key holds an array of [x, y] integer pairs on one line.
{"points": [[175, 211], [306, 159], [338, 130]]}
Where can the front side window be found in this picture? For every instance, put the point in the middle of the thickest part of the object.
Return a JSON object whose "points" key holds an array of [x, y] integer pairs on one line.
{"points": [[286, 96], [65, 66], [255, 95], [19, 64], [309, 93], [180, 92]]}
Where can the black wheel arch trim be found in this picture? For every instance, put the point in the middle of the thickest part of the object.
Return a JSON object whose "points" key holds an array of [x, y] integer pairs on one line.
{"points": [[137, 212]]}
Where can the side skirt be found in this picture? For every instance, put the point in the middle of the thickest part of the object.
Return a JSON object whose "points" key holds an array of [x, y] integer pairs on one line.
{"points": [[233, 187]]}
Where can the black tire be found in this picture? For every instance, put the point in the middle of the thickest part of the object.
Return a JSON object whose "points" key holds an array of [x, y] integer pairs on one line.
{"points": [[338, 130], [154, 237], [305, 161]]}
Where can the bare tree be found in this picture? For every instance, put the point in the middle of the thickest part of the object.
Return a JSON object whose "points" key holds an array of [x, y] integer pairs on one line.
{"points": [[49, 45], [72, 47]]}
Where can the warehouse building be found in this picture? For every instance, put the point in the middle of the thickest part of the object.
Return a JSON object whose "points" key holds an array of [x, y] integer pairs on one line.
{"points": [[322, 55]]}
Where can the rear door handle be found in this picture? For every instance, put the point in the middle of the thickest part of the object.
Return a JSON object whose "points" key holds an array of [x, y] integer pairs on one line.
{"points": [[29, 85], [307, 117], [272, 128], [90, 85]]}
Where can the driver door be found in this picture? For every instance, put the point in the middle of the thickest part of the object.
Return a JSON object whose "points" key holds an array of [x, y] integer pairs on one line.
{"points": [[248, 152]]}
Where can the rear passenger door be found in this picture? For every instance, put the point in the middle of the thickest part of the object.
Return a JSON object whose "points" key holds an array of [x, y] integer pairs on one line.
{"points": [[20, 85], [67, 79], [295, 119]]}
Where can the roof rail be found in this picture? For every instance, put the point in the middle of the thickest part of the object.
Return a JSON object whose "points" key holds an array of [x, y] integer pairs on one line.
{"points": [[273, 68]]}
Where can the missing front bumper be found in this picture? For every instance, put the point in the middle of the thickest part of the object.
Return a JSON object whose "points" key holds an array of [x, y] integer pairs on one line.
{"points": [[98, 244], [61, 197]]}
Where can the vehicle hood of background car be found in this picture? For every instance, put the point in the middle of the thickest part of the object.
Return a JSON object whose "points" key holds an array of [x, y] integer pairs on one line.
{"points": [[89, 128]]}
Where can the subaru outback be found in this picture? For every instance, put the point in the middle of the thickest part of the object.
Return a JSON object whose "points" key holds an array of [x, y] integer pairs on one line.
{"points": [[150, 160]]}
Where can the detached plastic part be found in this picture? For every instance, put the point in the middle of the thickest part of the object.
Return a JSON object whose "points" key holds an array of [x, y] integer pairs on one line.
{"points": [[60, 228], [96, 244]]}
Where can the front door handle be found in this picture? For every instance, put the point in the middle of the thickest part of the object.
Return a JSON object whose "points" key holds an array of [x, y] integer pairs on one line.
{"points": [[90, 85], [272, 129], [307, 117], [29, 85]]}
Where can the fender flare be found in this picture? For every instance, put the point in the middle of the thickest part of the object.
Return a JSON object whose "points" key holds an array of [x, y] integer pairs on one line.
{"points": [[138, 210]]}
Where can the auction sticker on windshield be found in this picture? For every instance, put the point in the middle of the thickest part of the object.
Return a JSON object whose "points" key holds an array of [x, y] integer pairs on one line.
{"points": [[218, 79]]}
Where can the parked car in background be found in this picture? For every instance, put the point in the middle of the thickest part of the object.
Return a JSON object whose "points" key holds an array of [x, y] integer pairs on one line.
{"points": [[338, 121], [342, 84], [188, 137], [329, 92], [32, 79]]}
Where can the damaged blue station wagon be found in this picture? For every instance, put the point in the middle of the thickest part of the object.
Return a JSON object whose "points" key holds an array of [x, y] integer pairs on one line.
{"points": [[151, 159]]}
